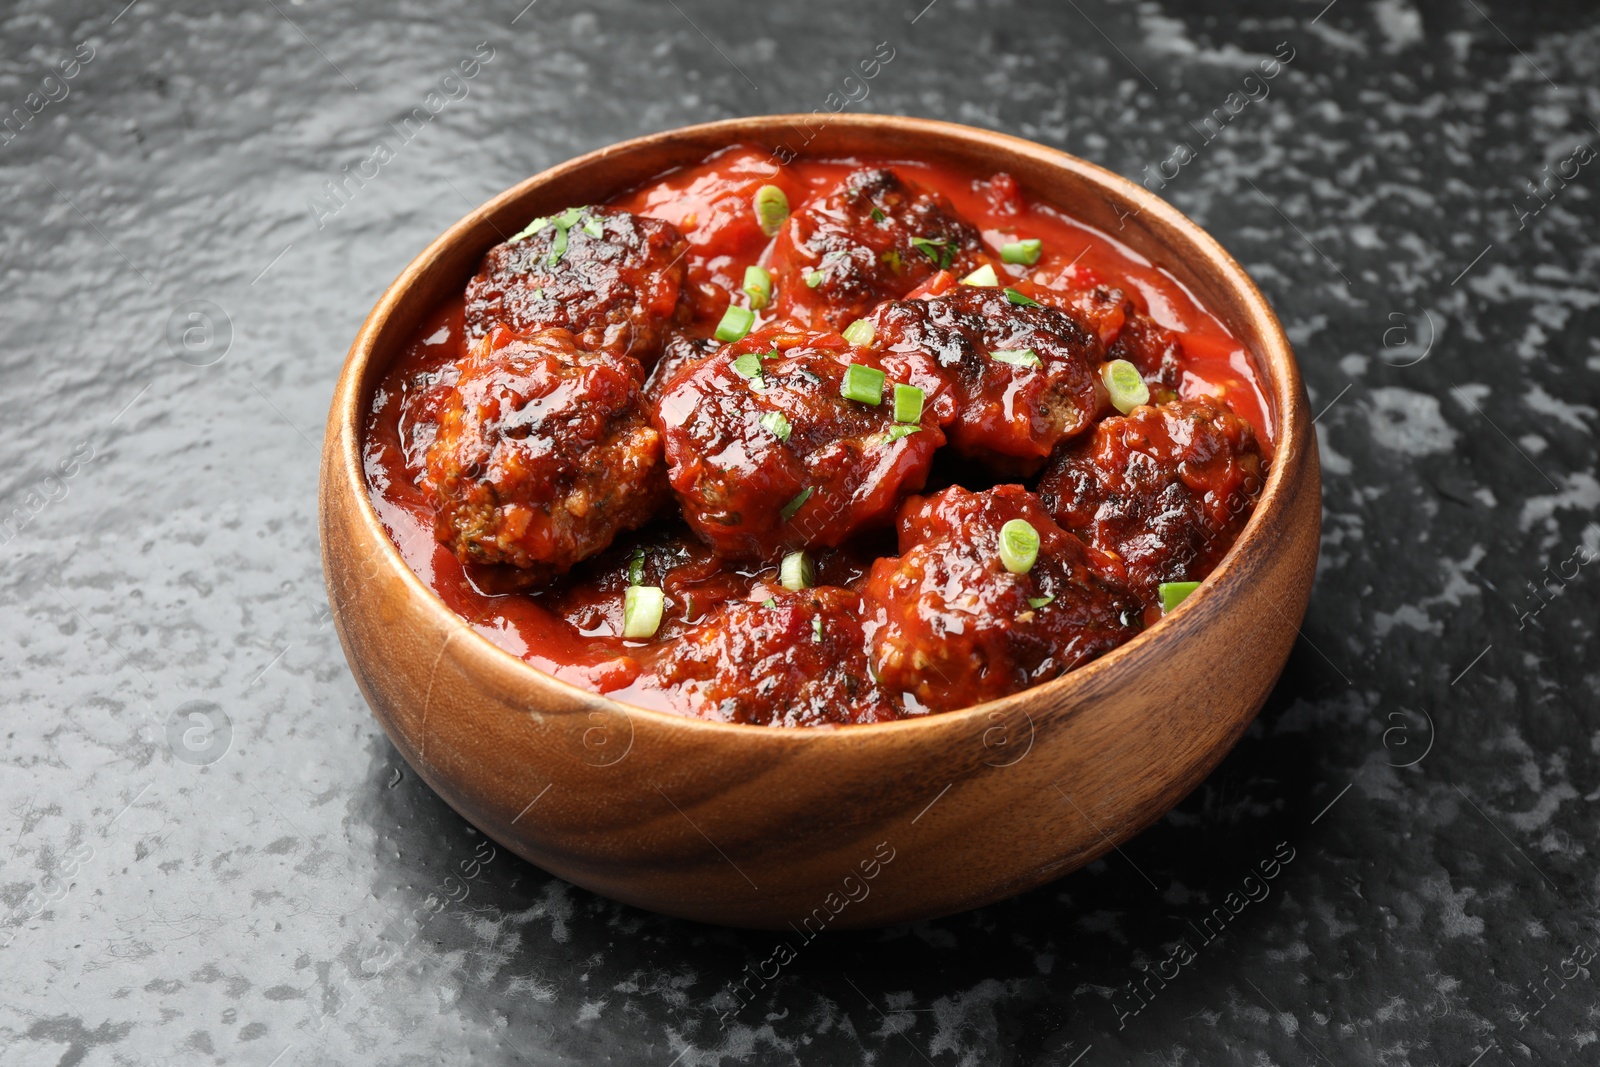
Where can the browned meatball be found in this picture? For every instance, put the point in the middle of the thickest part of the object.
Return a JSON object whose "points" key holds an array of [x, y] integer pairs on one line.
{"points": [[797, 659], [1108, 313], [1154, 349], [543, 453], [609, 276], [951, 626], [681, 350], [878, 237], [1009, 381], [1166, 488], [767, 455]]}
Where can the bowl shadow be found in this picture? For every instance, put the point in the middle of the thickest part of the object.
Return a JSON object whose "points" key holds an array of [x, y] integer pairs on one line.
{"points": [[1039, 975]]}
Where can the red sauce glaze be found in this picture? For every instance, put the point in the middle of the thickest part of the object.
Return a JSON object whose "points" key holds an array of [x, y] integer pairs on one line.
{"points": [[798, 659], [876, 239], [572, 627], [507, 494], [829, 467], [1010, 414], [1166, 489], [951, 626], [609, 277]]}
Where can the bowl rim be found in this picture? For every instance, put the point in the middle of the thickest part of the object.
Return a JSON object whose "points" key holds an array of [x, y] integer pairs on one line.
{"points": [[1285, 393]]}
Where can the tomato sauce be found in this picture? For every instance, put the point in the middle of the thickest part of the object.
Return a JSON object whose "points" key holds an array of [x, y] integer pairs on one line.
{"points": [[572, 628]]}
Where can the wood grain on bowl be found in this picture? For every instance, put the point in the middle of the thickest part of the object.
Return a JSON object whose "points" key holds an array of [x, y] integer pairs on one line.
{"points": [[823, 828]]}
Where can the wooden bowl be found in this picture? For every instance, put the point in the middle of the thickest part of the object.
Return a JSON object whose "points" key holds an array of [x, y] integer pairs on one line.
{"points": [[805, 828]]}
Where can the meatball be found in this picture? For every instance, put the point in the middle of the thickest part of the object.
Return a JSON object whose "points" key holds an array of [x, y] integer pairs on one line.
{"points": [[681, 349], [1102, 310], [951, 626], [610, 277], [766, 454], [1009, 381], [1166, 488], [1127, 333], [795, 659], [1154, 349], [876, 238], [543, 453]]}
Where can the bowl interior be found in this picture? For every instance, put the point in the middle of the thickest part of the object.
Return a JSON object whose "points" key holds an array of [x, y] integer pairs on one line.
{"points": [[1146, 225]]}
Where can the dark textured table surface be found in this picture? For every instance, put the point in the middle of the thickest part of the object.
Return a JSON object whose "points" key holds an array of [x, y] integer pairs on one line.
{"points": [[1422, 783]]}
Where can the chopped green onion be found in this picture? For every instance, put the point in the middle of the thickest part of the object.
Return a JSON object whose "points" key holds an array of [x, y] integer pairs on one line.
{"points": [[747, 365], [816, 626], [770, 602], [796, 572], [569, 218], [1025, 251], [1021, 298], [1172, 593], [641, 611], [772, 208], [1019, 546], [758, 287], [907, 403], [877, 215], [776, 423], [984, 275], [559, 248], [860, 333], [636, 567], [862, 384], [1022, 357], [593, 226], [736, 322], [796, 504], [1039, 601], [532, 228], [814, 279], [1125, 385]]}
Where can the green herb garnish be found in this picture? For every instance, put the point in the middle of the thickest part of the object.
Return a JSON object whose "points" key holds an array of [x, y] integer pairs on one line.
{"points": [[894, 433], [796, 504], [776, 423], [1022, 357], [937, 249], [532, 228], [747, 365]]}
